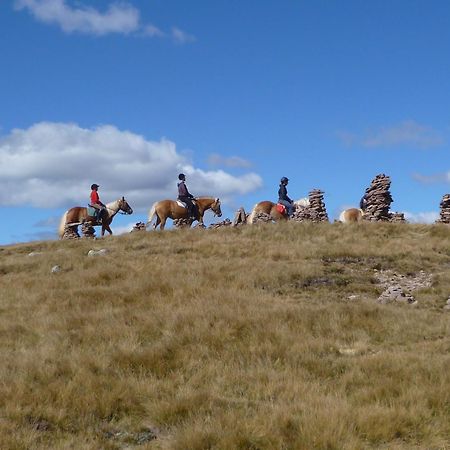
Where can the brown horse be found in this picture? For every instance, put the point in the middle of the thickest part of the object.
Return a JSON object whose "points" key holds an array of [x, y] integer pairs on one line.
{"points": [[266, 207], [79, 214], [270, 208], [170, 209], [351, 215]]}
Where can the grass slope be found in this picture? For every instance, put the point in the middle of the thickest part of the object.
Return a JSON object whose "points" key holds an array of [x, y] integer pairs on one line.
{"points": [[226, 339]]}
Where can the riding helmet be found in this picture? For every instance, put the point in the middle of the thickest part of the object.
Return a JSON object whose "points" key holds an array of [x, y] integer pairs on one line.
{"points": [[94, 186], [284, 180], [182, 176]]}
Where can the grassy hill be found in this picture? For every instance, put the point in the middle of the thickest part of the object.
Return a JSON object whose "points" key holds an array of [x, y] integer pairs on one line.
{"points": [[262, 337]]}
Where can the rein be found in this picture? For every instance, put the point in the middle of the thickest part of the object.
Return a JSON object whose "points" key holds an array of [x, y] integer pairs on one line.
{"points": [[118, 211]]}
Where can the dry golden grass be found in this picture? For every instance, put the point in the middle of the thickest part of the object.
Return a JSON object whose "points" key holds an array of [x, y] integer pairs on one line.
{"points": [[226, 339]]}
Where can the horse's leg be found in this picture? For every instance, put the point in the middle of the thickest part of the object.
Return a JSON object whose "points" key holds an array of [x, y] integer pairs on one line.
{"points": [[108, 229], [163, 223], [158, 221]]}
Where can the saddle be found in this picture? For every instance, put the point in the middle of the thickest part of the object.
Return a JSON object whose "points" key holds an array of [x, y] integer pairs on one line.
{"points": [[183, 205], [281, 209], [95, 213]]}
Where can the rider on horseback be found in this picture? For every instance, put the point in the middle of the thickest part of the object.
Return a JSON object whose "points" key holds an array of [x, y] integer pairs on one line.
{"points": [[96, 203], [283, 198], [185, 196]]}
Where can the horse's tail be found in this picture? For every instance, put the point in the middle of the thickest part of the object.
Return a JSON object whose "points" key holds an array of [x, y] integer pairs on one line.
{"points": [[252, 215], [351, 215], [151, 214], [62, 225]]}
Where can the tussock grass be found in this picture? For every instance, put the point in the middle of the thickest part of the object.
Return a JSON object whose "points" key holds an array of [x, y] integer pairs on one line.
{"points": [[226, 339]]}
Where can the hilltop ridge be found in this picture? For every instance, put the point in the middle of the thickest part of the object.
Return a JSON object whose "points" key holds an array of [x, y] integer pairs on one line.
{"points": [[270, 336]]}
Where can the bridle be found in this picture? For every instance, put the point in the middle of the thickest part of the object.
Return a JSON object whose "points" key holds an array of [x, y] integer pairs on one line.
{"points": [[120, 210], [214, 210]]}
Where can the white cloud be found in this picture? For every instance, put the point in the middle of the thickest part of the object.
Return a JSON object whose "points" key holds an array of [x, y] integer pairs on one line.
{"points": [[432, 179], [152, 31], [181, 37], [422, 217], [54, 164], [408, 133], [233, 161], [119, 17]]}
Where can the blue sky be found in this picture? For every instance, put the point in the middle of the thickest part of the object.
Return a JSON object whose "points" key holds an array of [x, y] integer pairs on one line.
{"points": [[236, 94]]}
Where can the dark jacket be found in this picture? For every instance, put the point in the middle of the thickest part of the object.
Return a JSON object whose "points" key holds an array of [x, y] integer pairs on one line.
{"points": [[282, 194], [183, 190]]}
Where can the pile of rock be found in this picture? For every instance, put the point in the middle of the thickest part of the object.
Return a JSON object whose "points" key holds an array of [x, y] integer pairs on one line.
{"points": [[398, 288], [182, 223], [395, 293], [397, 217], [261, 218], [70, 232], [240, 218], [199, 226], [224, 223], [140, 226], [87, 230], [315, 212], [101, 252], [378, 199], [445, 209]]}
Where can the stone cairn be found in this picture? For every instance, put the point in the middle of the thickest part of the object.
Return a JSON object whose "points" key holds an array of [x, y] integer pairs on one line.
{"points": [[315, 212], [445, 209], [88, 230], [182, 223], [225, 223], [240, 218], [70, 232], [261, 218], [397, 217], [140, 226], [378, 199], [378, 202], [187, 223]]}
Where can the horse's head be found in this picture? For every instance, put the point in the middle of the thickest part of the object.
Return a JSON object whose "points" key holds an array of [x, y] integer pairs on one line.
{"points": [[215, 207], [124, 206]]}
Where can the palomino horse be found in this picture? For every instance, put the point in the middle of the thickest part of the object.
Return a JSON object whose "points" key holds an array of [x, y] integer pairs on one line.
{"points": [[170, 209], [79, 214], [270, 208], [351, 215]]}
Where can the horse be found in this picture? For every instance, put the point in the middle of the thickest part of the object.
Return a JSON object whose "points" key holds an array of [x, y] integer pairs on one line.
{"points": [[170, 209], [79, 214], [351, 215], [270, 208]]}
